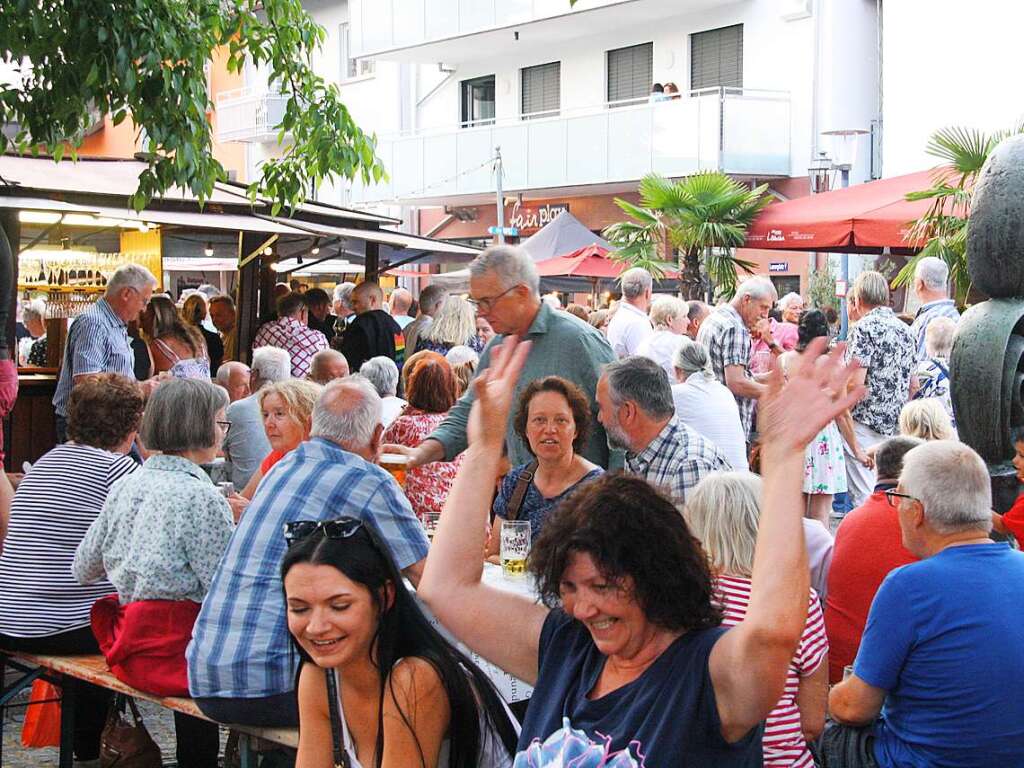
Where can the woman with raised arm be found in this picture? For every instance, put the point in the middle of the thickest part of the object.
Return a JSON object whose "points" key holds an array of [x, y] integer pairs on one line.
{"points": [[626, 646]]}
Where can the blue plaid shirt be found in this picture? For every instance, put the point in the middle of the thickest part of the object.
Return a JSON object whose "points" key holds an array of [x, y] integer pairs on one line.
{"points": [[240, 645], [925, 314]]}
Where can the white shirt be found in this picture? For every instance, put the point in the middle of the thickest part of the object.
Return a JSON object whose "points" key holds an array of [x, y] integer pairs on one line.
{"points": [[391, 409], [628, 328], [707, 406], [661, 347]]}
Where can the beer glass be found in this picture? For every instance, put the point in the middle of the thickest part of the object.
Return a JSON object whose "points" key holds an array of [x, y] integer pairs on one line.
{"points": [[515, 546], [395, 463]]}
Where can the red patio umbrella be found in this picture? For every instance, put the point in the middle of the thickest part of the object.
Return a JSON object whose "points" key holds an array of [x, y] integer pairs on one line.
{"points": [[864, 217], [589, 261]]}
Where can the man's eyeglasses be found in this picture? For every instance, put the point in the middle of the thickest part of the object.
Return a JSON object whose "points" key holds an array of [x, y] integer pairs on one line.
{"points": [[225, 425], [487, 303], [341, 528], [893, 497]]}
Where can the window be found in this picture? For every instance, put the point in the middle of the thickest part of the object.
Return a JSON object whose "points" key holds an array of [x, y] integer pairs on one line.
{"points": [[716, 58], [478, 101], [351, 68], [630, 72], [542, 90]]}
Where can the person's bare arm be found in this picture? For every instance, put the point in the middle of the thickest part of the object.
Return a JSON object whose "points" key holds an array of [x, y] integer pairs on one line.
{"points": [[250, 488], [812, 701], [478, 615], [415, 713], [493, 545], [740, 384], [314, 720], [415, 571], [854, 702], [748, 664], [6, 496], [427, 451]]}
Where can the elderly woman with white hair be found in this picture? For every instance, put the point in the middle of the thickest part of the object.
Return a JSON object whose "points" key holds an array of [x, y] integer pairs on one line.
{"points": [[933, 372], [32, 350], [382, 372], [723, 513], [669, 317], [705, 404], [158, 540]]}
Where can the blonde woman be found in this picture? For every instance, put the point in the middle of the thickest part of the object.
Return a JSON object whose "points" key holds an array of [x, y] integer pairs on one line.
{"points": [[723, 512], [194, 312], [287, 409], [454, 325], [669, 317], [927, 420]]}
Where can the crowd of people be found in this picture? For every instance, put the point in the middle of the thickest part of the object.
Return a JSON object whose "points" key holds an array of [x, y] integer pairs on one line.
{"points": [[751, 543]]}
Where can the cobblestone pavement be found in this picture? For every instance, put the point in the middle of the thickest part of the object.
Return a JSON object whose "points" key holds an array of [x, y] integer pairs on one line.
{"points": [[159, 721]]}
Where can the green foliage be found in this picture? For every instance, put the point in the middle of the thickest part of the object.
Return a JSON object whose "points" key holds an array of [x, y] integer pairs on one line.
{"points": [[822, 287], [704, 217], [146, 58], [943, 228]]}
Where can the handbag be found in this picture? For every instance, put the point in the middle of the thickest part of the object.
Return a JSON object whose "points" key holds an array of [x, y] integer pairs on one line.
{"points": [[42, 717], [127, 744]]}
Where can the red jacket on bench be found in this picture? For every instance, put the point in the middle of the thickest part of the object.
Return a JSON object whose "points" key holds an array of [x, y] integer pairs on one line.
{"points": [[144, 642]]}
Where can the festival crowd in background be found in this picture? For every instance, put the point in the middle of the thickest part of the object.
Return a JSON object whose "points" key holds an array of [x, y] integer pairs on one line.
{"points": [[750, 543]]}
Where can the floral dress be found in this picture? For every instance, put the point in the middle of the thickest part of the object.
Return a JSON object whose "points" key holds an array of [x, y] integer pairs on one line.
{"points": [[824, 459], [426, 487]]}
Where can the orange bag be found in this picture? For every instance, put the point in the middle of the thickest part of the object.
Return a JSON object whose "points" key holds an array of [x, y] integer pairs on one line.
{"points": [[42, 721]]}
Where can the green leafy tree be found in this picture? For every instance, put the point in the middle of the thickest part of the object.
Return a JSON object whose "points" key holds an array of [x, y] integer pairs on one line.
{"points": [[943, 228], [703, 218], [145, 59]]}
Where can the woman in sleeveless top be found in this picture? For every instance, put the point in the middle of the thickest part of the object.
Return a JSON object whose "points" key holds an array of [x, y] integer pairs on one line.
{"points": [[174, 346], [379, 686]]}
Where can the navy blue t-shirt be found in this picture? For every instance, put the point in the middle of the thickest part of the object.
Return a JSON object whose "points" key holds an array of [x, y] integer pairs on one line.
{"points": [[669, 711], [945, 639]]}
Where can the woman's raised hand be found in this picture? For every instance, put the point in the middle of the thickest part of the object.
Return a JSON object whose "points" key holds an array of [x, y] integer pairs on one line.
{"points": [[819, 387], [494, 389]]}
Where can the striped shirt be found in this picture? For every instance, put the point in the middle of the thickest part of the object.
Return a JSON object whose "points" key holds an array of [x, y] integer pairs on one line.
{"points": [[97, 343], [54, 506], [240, 644], [925, 314], [727, 340], [783, 741]]}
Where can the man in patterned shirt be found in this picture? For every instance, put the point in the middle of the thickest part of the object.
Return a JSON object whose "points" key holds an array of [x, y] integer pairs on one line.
{"points": [[637, 411], [726, 336], [930, 278], [241, 661], [291, 333], [887, 353]]}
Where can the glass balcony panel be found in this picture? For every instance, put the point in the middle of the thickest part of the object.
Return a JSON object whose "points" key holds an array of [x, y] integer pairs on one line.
{"points": [[475, 15], [440, 163], [475, 148], [515, 150], [440, 18], [407, 155], [709, 129], [765, 150], [547, 153], [586, 151], [674, 138], [409, 21], [629, 142], [375, 26]]}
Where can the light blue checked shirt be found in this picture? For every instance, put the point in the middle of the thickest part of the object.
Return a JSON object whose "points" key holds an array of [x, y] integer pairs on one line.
{"points": [[925, 314], [240, 644]]}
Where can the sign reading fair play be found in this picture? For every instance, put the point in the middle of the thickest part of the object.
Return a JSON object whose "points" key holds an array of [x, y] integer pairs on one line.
{"points": [[531, 218]]}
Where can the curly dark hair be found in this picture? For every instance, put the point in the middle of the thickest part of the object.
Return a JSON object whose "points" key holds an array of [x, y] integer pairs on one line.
{"points": [[103, 410], [578, 404], [631, 531], [812, 325]]}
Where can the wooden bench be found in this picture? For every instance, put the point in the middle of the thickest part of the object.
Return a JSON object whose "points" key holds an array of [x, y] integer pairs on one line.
{"points": [[94, 669]]}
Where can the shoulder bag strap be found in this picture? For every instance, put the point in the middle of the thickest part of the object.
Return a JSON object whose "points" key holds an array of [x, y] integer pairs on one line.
{"points": [[337, 740], [515, 504]]}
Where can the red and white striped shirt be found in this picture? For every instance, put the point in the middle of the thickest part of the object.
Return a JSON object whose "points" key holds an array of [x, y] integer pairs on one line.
{"points": [[783, 741]]}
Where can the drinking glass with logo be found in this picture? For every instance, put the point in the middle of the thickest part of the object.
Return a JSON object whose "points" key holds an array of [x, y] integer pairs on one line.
{"points": [[515, 546]]}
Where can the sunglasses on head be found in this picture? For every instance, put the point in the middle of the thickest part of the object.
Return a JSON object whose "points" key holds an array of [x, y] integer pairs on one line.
{"points": [[341, 528]]}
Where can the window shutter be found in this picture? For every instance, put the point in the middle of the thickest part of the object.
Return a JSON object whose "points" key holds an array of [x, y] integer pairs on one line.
{"points": [[716, 58], [542, 90], [630, 72]]}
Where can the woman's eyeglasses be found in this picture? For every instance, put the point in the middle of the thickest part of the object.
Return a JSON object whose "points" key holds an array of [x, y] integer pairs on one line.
{"points": [[341, 528], [893, 497]]}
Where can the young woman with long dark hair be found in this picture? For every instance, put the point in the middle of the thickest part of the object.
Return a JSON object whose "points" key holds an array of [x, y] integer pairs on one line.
{"points": [[398, 693]]}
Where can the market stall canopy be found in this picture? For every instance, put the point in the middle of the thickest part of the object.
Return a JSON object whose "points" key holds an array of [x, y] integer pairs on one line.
{"points": [[863, 218], [589, 261], [563, 234]]}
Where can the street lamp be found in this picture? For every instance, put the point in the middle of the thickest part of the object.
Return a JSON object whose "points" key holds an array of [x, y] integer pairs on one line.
{"points": [[819, 173]]}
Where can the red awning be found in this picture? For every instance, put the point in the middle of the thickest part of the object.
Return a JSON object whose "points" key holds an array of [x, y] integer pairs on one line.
{"points": [[872, 215], [589, 261]]}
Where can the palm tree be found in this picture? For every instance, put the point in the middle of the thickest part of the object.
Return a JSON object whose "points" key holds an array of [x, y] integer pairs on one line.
{"points": [[943, 228], [703, 217]]}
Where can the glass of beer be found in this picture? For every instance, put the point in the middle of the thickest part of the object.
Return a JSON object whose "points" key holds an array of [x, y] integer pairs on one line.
{"points": [[395, 463], [515, 546]]}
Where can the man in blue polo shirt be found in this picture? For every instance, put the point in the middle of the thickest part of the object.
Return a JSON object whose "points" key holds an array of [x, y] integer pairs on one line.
{"points": [[241, 661], [938, 675], [98, 338]]}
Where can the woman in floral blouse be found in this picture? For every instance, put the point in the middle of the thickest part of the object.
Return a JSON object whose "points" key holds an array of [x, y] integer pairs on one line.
{"points": [[158, 540], [430, 389]]}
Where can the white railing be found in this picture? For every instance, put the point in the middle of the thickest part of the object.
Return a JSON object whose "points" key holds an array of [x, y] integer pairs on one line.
{"points": [[249, 115], [743, 132], [382, 25]]}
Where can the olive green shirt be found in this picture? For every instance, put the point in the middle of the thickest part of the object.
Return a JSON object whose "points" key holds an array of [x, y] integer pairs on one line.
{"points": [[562, 345]]}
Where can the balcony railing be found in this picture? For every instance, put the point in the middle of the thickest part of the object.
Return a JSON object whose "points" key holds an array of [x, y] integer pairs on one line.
{"points": [[743, 132], [248, 115], [382, 25]]}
